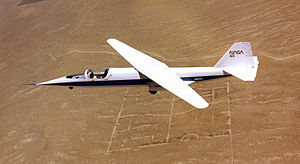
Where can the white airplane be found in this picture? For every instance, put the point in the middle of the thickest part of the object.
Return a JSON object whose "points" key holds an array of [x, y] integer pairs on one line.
{"points": [[237, 61]]}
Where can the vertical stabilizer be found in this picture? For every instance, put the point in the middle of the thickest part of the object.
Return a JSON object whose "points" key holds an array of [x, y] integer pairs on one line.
{"points": [[239, 61]]}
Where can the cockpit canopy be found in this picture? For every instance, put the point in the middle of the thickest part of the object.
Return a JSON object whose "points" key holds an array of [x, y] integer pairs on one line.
{"points": [[98, 73]]}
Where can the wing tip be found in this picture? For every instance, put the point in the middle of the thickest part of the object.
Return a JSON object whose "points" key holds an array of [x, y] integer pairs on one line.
{"points": [[110, 40], [202, 105]]}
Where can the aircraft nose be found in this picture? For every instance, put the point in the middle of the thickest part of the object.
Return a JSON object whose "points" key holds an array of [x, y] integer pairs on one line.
{"points": [[52, 82]]}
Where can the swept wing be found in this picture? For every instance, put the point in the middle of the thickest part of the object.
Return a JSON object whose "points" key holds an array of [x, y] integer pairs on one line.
{"points": [[159, 73]]}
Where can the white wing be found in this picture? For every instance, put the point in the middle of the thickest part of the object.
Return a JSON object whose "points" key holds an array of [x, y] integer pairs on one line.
{"points": [[159, 73]]}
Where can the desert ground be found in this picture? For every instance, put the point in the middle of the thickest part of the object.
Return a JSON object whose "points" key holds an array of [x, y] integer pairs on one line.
{"points": [[246, 122]]}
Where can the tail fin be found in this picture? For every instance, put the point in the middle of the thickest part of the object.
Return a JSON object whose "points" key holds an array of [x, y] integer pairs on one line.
{"points": [[239, 62]]}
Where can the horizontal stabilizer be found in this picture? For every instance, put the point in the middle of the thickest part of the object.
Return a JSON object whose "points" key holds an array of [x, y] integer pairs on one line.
{"points": [[244, 74]]}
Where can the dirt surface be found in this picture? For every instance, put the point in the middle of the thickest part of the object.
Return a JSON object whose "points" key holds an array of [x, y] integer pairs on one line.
{"points": [[246, 122]]}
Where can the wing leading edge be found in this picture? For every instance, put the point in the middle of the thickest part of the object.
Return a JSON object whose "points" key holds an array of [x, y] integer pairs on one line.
{"points": [[159, 73]]}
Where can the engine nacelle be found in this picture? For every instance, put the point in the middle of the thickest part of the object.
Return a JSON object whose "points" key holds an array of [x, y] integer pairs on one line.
{"points": [[152, 92], [153, 87]]}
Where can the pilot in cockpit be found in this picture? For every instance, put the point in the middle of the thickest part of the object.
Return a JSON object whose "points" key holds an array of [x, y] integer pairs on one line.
{"points": [[92, 75], [96, 75]]}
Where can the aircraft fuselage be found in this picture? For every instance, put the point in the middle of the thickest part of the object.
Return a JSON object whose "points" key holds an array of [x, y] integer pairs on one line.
{"points": [[130, 76]]}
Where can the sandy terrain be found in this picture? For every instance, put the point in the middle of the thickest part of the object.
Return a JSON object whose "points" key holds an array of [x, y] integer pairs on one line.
{"points": [[247, 122]]}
